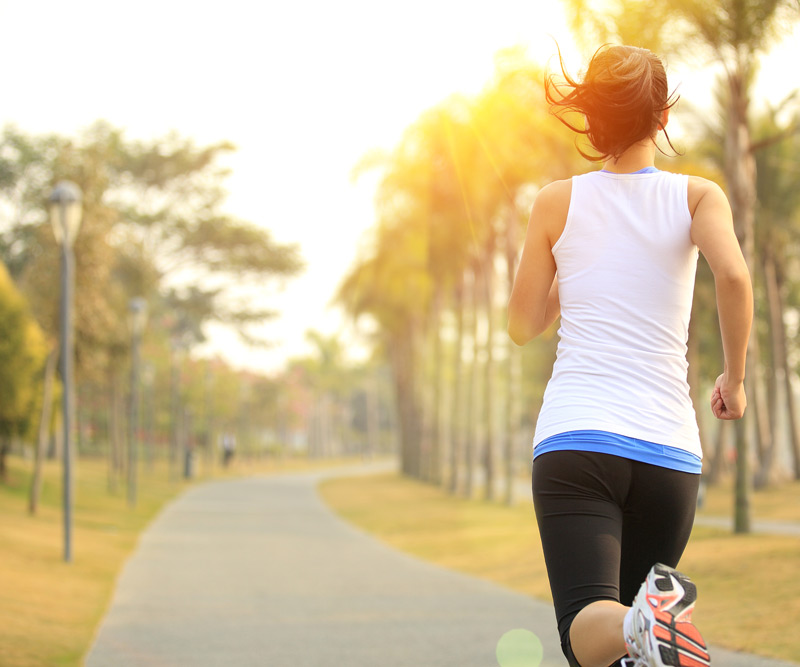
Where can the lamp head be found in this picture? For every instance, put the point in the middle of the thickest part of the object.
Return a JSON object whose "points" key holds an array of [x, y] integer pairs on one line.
{"points": [[65, 212]]}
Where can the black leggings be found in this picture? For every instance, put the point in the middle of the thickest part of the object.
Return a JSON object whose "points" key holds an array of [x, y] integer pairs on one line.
{"points": [[604, 521]]}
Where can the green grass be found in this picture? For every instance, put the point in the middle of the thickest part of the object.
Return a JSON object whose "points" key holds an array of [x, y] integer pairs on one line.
{"points": [[780, 503], [49, 609], [749, 587]]}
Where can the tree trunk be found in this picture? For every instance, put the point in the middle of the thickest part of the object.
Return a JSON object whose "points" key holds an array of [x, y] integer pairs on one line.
{"points": [[457, 395], [402, 360], [44, 429], [473, 394], [210, 426], [488, 388], [326, 445], [513, 369], [430, 380], [764, 475], [5, 450], [740, 173], [718, 465], [436, 444], [114, 432], [373, 419], [794, 422], [741, 502], [176, 358], [782, 360]]}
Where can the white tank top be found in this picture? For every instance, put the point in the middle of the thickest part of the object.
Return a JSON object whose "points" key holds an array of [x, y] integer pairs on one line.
{"points": [[626, 267]]}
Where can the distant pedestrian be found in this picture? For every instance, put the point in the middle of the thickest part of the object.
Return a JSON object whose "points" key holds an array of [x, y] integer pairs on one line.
{"points": [[617, 455], [228, 448]]}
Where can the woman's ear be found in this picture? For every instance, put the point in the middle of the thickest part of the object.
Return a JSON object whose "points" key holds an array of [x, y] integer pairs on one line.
{"points": [[664, 118]]}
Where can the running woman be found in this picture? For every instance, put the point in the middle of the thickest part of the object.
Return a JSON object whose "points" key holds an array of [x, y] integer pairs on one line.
{"points": [[617, 455]]}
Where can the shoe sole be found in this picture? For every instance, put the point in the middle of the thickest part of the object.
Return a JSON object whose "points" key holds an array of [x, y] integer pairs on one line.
{"points": [[680, 644]]}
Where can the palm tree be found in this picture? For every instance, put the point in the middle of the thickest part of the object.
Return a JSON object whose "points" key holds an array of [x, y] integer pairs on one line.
{"points": [[778, 231], [733, 34]]}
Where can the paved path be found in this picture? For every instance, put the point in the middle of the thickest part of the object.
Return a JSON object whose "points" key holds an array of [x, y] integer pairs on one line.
{"points": [[260, 572]]}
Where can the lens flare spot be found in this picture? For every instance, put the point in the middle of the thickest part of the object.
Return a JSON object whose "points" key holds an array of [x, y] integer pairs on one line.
{"points": [[519, 648]]}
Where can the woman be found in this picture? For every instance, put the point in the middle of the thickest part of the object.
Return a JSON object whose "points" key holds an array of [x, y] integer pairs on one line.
{"points": [[617, 456]]}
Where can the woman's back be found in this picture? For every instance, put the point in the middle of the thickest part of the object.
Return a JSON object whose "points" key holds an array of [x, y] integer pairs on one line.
{"points": [[626, 267]]}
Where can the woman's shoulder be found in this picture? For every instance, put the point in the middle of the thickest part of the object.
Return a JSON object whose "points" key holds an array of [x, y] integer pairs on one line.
{"points": [[556, 192], [553, 199], [551, 207], [700, 188]]}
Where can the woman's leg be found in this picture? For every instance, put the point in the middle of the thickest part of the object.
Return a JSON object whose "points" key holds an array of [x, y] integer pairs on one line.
{"points": [[604, 522], [578, 498], [658, 518], [596, 634]]}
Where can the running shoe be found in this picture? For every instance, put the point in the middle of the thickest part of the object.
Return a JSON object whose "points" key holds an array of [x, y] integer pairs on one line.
{"points": [[661, 632]]}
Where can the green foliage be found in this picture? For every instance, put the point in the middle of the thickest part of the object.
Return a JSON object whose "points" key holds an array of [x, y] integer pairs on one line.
{"points": [[22, 354], [455, 192], [446, 189], [726, 29], [152, 227]]}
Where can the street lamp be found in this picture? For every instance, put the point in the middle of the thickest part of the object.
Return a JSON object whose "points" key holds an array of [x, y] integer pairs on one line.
{"points": [[65, 216], [137, 309], [148, 380], [176, 446]]}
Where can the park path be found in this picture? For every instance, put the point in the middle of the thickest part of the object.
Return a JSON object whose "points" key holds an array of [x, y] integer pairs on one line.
{"points": [[260, 572]]}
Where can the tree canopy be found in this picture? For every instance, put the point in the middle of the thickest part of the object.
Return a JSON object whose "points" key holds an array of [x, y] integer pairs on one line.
{"points": [[153, 226]]}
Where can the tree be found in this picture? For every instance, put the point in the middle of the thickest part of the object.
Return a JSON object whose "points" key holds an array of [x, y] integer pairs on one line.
{"points": [[153, 227], [777, 232], [446, 207], [522, 148], [733, 33], [389, 287], [22, 354]]}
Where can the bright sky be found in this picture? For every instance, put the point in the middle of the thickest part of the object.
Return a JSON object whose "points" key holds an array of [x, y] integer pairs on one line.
{"points": [[304, 89]]}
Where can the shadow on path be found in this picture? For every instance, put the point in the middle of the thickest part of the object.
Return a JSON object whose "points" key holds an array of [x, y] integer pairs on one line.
{"points": [[260, 572]]}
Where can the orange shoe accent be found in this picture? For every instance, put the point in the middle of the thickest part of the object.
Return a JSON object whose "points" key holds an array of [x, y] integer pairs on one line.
{"points": [[699, 651], [688, 661], [690, 631]]}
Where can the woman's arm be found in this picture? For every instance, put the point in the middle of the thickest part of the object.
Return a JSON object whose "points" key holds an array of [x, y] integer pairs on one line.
{"points": [[534, 303], [713, 233]]}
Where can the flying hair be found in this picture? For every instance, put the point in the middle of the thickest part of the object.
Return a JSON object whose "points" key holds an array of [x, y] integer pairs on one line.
{"points": [[622, 97]]}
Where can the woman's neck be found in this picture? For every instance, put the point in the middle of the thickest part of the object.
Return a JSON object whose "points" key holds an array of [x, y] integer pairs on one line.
{"points": [[639, 156]]}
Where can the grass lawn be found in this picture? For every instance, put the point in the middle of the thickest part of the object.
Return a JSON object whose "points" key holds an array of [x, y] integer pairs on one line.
{"points": [[49, 609], [780, 503], [748, 585]]}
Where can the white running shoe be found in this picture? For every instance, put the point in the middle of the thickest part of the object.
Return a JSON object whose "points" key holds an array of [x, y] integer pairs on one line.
{"points": [[661, 633]]}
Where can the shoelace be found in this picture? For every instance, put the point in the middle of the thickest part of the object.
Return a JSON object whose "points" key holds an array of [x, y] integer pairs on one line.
{"points": [[634, 662], [635, 659]]}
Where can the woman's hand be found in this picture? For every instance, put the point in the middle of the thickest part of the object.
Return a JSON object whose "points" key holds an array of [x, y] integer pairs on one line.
{"points": [[728, 400]]}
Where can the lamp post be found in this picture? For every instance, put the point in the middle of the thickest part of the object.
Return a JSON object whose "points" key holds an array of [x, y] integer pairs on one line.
{"points": [[137, 309], [176, 434], [65, 216], [148, 381]]}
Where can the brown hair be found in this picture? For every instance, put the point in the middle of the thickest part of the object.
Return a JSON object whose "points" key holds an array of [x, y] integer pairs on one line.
{"points": [[622, 96]]}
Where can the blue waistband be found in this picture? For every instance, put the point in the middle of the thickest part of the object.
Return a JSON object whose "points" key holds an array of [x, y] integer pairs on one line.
{"points": [[620, 445]]}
